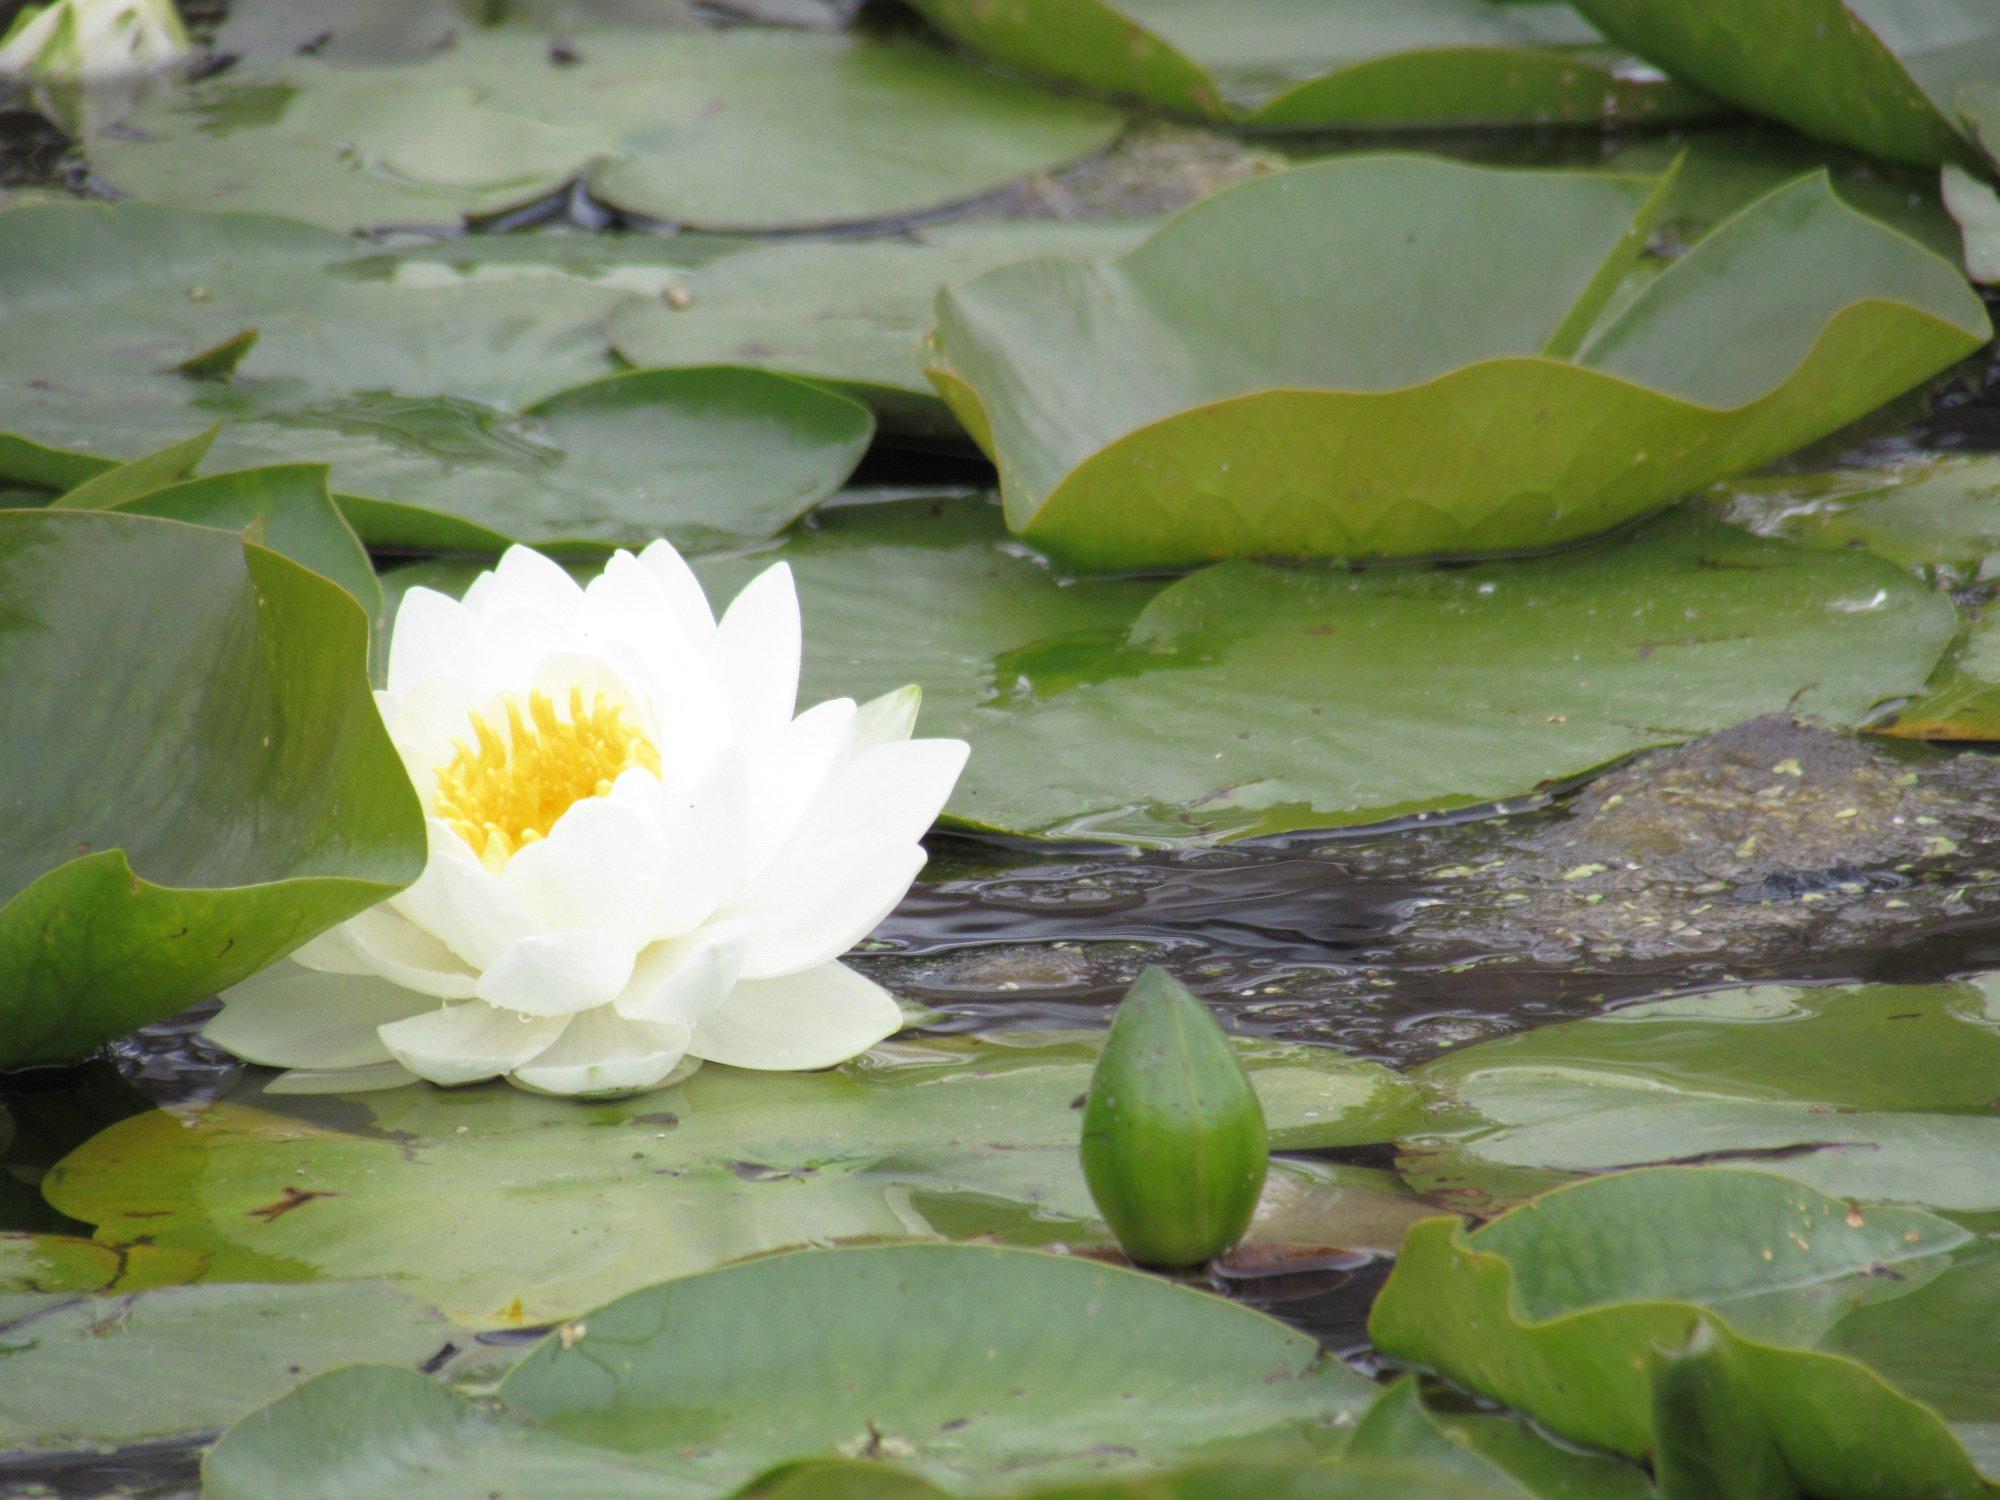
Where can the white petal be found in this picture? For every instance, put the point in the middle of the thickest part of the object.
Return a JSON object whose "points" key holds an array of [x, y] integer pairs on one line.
{"points": [[434, 636], [600, 1052], [812, 1019], [428, 724], [329, 954], [706, 834], [892, 791], [790, 771], [756, 655], [524, 578], [463, 904], [626, 603], [404, 954], [602, 865], [805, 911], [289, 1017], [685, 979], [368, 1080], [889, 718], [465, 1043], [682, 589], [559, 973]]}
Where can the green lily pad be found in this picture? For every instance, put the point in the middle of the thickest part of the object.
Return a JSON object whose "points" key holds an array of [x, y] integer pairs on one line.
{"points": [[1249, 699], [192, 772], [464, 395], [1314, 65], [1962, 699], [962, 1363], [1938, 516], [1879, 1092], [287, 509], [1298, 365], [742, 129], [181, 1362], [1890, 77], [600, 1199], [847, 313], [1862, 1336], [63, 1265]]}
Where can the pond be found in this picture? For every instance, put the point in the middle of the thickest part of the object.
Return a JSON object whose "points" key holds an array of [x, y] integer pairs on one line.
{"points": [[1534, 686]]}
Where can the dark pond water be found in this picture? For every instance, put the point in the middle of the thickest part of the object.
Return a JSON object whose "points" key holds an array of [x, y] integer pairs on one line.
{"points": [[1396, 944]]}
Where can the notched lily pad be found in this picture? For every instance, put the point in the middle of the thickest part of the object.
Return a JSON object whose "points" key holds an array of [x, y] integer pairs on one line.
{"points": [[741, 129], [1298, 366], [1329, 64], [192, 772], [914, 1140], [1304, 699], [464, 395], [1860, 1334], [1080, 1371], [1880, 1092]]}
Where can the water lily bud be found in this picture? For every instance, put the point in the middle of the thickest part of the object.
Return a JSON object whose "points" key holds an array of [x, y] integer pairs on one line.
{"points": [[88, 41], [1174, 1147]]}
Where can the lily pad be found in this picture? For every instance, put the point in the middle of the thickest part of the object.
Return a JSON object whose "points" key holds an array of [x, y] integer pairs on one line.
{"points": [[63, 1265], [1937, 516], [1861, 1335], [192, 773], [1879, 1092], [1891, 77], [742, 129], [847, 313], [1962, 700], [1315, 65], [182, 1362], [441, 384], [1080, 1369], [1298, 366], [1300, 699], [603, 1198], [287, 509]]}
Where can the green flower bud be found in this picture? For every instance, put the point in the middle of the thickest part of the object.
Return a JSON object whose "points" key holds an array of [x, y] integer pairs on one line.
{"points": [[1174, 1147]]}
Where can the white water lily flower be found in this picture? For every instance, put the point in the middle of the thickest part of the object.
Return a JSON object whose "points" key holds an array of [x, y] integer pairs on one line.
{"points": [[639, 858], [88, 41]]}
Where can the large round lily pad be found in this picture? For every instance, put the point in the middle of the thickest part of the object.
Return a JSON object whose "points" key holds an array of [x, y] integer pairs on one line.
{"points": [[193, 776], [1323, 64], [504, 1208], [747, 128], [1879, 1092], [1300, 365], [464, 395], [965, 1364], [848, 313], [1862, 1337], [1250, 699], [1892, 77]]}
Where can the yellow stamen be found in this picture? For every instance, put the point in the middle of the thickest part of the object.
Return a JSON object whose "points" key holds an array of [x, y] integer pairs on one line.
{"points": [[508, 789]]}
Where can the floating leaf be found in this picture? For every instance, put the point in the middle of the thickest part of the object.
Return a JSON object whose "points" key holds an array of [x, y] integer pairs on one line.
{"points": [[181, 1362], [1880, 1092], [1887, 76], [463, 394], [848, 313], [1962, 699], [1299, 366], [741, 129], [61, 1264], [1076, 1370], [193, 776], [1976, 207], [1861, 1336], [1304, 699], [602, 1198], [1313, 65], [287, 509]]}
